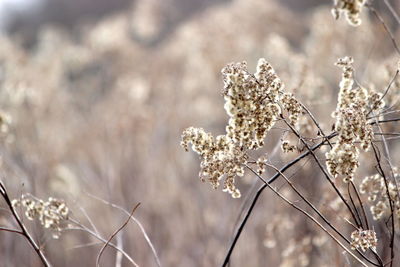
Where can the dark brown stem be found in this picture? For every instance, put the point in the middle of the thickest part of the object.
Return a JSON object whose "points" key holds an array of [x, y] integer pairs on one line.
{"points": [[114, 234], [11, 230], [326, 175], [377, 157], [83, 228], [316, 123], [316, 211], [314, 220], [358, 217], [361, 204], [23, 231], [258, 194]]}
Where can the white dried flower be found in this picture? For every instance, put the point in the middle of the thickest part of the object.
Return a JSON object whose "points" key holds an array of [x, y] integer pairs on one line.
{"points": [[251, 103], [51, 214], [342, 160], [293, 107], [287, 147], [364, 240], [354, 105], [350, 8], [261, 164]]}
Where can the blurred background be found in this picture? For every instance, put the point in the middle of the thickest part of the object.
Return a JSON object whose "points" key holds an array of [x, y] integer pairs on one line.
{"points": [[98, 93]]}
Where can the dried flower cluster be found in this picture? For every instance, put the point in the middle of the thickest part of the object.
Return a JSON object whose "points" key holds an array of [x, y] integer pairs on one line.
{"points": [[287, 147], [354, 104], [350, 8], [220, 157], [293, 107], [375, 188], [364, 240], [261, 164], [251, 103], [52, 214]]}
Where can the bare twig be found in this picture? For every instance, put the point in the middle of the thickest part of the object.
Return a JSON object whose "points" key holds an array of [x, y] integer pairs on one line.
{"points": [[316, 222], [315, 210], [392, 234], [11, 230], [388, 31], [326, 175], [387, 120], [114, 234], [145, 235], [359, 221], [387, 90], [24, 230], [83, 228], [261, 189], [361, 204], [315, 122]]}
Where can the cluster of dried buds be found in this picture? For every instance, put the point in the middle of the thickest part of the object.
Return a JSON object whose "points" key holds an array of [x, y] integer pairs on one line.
{"points": [[350, 8], [364, 240], [251, 101], [52, 214], [352, 126]]}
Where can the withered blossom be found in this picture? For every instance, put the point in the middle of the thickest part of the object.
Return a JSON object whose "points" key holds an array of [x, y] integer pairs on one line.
{"points": [[350, 8], [251, 103], [51, 214], [364, 240], [354, 105]]}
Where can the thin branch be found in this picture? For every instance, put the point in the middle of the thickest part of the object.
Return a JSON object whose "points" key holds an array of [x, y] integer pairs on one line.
{"points": [[87, 230], [387, 120], [390, 203], [359, 222], [145, 235], [88, 218], [114, 234], [315, 221], [361, 204], [390, 85], [388, 158], [315, 122], [242, 207], [326, 175], [373, 10], [304, 199], [385, 134], [261, 189], [11, 230], [24, 230], [386, 91], [314, 209]]}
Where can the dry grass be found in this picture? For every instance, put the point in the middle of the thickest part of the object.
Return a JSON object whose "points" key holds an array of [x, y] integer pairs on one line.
{"points": [[98, 113]]}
